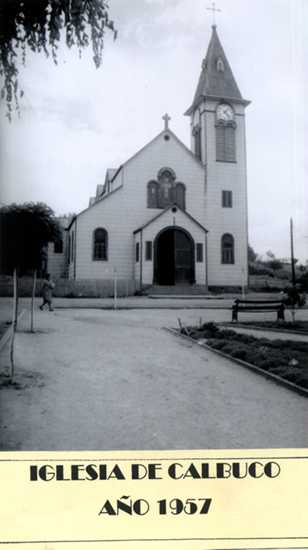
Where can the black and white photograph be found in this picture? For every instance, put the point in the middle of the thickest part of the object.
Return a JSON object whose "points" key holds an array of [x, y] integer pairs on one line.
{"points": [[153, 224]]}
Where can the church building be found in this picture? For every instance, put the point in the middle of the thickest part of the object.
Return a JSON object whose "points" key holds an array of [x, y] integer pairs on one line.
{"points": [[171, 215]]}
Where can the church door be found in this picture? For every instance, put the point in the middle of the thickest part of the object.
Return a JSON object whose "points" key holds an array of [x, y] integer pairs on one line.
{"points": [[174, 258]]}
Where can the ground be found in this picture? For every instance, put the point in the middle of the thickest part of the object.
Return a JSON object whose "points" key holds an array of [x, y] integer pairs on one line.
{"points": [[101, 379]]}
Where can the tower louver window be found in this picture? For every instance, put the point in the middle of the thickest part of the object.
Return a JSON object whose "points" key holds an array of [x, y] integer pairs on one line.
{"points": [[225, 142]]}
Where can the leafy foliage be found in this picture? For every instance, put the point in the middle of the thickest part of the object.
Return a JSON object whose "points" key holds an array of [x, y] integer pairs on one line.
{"points": [[275, 264], [25, 231], [303, 281], [37, 24], [252, 255]]}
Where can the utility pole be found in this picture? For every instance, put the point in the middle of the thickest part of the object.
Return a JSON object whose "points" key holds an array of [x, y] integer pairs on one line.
{"points": [[293, 272], [292, 254]]}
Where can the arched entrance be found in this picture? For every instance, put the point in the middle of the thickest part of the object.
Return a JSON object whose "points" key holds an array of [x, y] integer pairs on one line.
{"points": [[174, 257]]}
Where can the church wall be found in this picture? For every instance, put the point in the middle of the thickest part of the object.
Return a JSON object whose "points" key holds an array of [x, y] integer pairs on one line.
{"points": [[145, 167], [138, 262], [71, 251], [126, 210], [56, 262], [226, 176], [109, 214]]}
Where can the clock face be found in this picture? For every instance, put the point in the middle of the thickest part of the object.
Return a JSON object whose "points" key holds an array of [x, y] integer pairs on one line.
{"points": [[225, 112]]}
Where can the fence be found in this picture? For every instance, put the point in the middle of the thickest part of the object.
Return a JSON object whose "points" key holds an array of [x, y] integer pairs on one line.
{"points": [[83, 288]]}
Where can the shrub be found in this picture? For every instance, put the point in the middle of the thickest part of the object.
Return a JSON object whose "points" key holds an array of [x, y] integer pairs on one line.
{"points": [[227, 348], [210, 327], [227, 334], [293, 375], [269, 364], [259, 268], [216, 344], [303, 281], [302, 379], [239, 353]]}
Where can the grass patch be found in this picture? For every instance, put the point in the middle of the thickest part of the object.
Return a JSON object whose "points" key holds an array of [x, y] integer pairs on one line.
{"points": [[285, 358]]}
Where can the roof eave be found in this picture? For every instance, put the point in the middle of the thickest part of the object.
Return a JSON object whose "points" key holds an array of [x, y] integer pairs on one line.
{"points": [[196, 104], [149, 222], [74, 218]]}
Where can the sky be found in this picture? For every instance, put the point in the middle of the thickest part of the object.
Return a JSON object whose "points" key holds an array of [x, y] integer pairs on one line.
{"points": [[77, 121]]}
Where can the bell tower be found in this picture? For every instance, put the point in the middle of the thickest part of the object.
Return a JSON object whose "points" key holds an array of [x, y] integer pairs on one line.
{"points": [[217, 91], [218, 139]]}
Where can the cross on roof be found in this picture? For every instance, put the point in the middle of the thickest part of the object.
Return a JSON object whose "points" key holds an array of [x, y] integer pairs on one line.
{"points": [[214, 10], [166, 118]]}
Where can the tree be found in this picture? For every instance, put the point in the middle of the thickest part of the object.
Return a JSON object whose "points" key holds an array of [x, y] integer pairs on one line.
{"points": [[274, 264], [37, 25], [252, 255], [270, 255], [25, 231]]}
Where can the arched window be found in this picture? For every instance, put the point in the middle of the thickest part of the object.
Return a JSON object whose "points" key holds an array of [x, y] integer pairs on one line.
{"points": [[100, 244], [227, 249], [153, 194], [220, 65], [197, 140], [180, 195], [166, 174], [165, 191], [166, 178]]}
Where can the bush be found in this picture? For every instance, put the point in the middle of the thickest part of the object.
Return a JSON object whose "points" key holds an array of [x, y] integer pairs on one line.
{"points": [[226, 334], [209, 327], [302, 379], [274, 264], [303, 281], [216, 344], [239, 353], [269, 364], [293, 375], [259, 268]]}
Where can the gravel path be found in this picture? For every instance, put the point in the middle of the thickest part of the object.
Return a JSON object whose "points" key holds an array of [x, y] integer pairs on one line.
{"points": [[115, 380], [270, 335]]}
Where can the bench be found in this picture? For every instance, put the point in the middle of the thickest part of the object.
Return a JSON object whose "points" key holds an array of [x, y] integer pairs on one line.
{"points": [[258, 305]]}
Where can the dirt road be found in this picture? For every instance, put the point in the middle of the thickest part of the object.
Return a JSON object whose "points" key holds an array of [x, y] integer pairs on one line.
{"points": [[92, 379]]}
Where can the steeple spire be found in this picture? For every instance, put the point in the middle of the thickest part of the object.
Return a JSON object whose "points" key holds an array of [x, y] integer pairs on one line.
{"points": [[214, 10], [216, 80]]}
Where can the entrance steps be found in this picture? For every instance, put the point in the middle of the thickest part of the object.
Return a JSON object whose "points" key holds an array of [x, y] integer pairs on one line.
{"points": [[177, 291]]}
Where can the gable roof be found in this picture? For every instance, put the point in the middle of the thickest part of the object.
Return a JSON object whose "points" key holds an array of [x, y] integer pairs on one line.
{"points": [[98, 201], [214, 83], [164, 212], [158, 136], [113, 173]]}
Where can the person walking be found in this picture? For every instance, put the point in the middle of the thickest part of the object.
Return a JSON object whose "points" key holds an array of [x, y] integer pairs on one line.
{"points": [[47, 289]]}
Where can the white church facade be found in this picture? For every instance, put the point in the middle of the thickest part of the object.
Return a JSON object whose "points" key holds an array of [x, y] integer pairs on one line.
{"points": [[171, 215]]}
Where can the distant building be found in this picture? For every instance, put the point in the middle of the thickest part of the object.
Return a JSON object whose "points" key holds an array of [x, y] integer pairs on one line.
{"points": [[170, 215], [57, 259]]}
